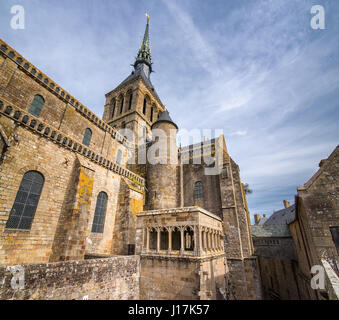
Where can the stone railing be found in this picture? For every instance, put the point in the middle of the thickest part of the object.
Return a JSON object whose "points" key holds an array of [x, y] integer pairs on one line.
{"points": [[183, 239], [63, 95], [180, 232], [45, 130]]}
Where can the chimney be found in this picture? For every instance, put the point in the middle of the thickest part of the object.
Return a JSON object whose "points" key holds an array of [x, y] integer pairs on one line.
{"points": [[257, 218], [286, 204]]}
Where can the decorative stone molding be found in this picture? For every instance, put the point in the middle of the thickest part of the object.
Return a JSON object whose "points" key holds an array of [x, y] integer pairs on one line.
{"points": [[56, 136]]}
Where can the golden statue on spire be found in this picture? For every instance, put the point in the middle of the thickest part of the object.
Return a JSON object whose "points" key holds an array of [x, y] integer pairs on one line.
{"points": [[147, 16]]}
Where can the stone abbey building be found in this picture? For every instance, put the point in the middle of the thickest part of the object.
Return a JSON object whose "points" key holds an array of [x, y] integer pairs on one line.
{"points": [[78, 220]]}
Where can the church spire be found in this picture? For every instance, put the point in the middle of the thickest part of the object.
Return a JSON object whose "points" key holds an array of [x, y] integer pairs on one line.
{"points": [[144, 54]]}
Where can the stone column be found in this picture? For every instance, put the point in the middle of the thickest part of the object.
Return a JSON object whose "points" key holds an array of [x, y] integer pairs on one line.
{"points": [[213, 240], [196, 237], [158, 239], [169, 240], [147, 240], [200, 242], [182, 246]]}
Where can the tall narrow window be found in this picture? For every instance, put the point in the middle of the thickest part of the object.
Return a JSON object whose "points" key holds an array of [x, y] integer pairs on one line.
{"points": [[130, 101], [198, 190], [87, 137], [37, 105], [113, 107], [26, 201], [122, 104], [119, 156], [152, 110], [100, 213], [145, 106]]}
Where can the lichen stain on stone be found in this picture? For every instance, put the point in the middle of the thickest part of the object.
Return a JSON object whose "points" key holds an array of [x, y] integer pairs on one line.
{"points": [[136, 206], [85, 187]]}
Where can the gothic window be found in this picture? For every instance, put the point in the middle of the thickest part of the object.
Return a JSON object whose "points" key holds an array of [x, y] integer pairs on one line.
{"points": [[87, 137], [176, 239], [164, 239], [152, 111], [203, 240], [100, 213], [189, 241], [153, 236], [198, 190], [26, 201], [113, 107], [146, 101], [122, 104], [130, 99], [37, 105], [119, 156], [335, 236]]}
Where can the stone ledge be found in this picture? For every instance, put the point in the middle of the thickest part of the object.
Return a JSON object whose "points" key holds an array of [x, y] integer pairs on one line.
{"points": [[47, 131], [178, 211]]}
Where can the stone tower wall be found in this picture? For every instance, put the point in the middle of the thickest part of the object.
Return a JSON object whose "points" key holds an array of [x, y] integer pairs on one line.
{"points": [[162, 182]]}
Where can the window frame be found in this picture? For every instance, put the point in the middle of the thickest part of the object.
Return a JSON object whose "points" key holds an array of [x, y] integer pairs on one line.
{"points": [[36, 105], [100, 213], [84, 142], [11, 224]]}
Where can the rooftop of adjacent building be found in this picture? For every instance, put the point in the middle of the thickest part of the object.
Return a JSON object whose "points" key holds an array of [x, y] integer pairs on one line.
{"points": [[276, 225]]}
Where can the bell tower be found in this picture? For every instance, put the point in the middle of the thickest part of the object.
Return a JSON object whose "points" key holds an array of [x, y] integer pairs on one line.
{"points": [[134, 104]]}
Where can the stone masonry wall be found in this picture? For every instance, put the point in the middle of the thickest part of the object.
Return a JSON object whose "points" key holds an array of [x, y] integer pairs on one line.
{"points": [[115, 278]]}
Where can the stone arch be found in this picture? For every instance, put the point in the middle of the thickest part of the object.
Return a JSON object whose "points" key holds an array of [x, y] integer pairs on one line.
{"points": [[121, 102], [153, 110], [189, 238], [153, 238], [146, 103], [176, 239], [164, 238], [129, 96], [113, 105]]}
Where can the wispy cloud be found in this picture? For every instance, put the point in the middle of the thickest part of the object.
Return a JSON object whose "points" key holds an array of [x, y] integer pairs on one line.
{"points": [[252, 68]]}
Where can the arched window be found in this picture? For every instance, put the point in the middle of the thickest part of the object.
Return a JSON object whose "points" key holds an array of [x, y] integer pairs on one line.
{"points": [[176, 239], [100, 213], [152, 111], [164, 239], [87, 137], [198, 190], [113, 107], [119, 156], [37, 105], [146, 100], [189, 239], [122, 104], [130, 99], [153, 238], [26, 201]]}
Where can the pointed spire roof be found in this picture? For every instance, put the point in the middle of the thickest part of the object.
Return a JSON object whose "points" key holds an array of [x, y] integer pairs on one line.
{"points": [[144, 54]]}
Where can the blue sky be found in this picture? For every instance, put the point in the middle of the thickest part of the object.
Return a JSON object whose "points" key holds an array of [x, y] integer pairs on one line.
{"points": [[255, 69]]}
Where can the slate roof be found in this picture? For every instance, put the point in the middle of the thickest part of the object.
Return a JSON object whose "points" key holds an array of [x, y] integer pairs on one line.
{"points": [[284, 216], [140, 72], [274, 230], [165, 117]]}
